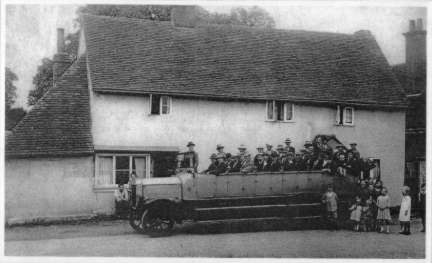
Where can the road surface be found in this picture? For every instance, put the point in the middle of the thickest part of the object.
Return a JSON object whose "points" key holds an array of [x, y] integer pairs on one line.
{"points": [[116, 238]]}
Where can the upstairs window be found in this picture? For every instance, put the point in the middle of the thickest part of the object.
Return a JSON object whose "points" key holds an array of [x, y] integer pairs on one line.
{"points": [[160, 104], [279, 111], [344, 116]]}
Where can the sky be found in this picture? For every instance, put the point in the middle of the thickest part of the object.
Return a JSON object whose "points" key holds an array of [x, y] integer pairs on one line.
{"points": [[31, 30]]}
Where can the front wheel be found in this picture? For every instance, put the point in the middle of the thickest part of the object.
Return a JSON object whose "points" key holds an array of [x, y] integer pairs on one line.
{"points": [[148, 222]]}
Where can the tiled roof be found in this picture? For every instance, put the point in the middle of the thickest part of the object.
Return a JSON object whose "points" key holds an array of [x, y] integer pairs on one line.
{"points": [[142, 56], [59, 124]]}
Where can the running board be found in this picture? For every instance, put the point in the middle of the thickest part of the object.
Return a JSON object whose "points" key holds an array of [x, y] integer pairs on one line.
{"points": [[204, 209], [239, 220]]}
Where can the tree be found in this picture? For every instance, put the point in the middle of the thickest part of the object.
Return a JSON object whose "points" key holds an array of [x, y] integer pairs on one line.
{"points": [[13, 115], [252, 17], [10, 88]]}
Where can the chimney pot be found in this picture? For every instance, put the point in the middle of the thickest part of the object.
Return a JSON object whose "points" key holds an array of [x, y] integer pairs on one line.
{"points": [[411, 25], [60, 40], [419, 24]]}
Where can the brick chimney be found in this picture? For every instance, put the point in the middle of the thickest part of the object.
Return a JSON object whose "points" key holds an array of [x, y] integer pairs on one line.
{"points": [[61, 59], [415, 48]]}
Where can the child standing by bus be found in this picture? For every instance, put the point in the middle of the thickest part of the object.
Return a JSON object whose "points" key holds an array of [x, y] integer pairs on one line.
{"points": [[330, 200], [405, 212], [356, 212], [383, 215]]}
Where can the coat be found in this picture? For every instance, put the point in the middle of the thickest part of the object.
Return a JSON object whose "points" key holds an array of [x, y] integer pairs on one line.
{"points": [[405, 209]]}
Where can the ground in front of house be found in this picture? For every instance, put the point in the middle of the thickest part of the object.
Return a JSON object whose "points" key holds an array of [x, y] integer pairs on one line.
{"points": [[116, 238]]}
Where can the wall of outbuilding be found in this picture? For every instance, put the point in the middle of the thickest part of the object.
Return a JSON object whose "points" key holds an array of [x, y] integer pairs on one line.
{"points": [[43, 189]]}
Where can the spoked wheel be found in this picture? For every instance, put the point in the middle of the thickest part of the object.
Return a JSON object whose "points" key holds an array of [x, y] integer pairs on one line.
{"points": [[151, 224]]}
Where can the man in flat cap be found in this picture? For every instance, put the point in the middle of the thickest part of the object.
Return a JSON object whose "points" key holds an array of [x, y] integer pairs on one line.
{"points": [[191, 157], [288, 146]]}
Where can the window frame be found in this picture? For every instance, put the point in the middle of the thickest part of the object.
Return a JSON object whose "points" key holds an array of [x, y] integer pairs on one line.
{"points": [[341, 115], [345, 116], [275, 111], [161, 105], [113, 170], [151, 96]]}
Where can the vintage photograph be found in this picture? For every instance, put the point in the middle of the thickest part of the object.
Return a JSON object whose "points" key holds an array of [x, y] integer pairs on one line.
{"points": [[215, 130]]}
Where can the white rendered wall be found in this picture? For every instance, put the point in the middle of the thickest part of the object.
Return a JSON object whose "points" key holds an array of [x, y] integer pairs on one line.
{"points": [[120, 120], [53, 187]]}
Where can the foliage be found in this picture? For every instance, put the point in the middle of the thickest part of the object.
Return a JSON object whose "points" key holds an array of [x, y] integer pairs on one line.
{"points": [[10, 88]]}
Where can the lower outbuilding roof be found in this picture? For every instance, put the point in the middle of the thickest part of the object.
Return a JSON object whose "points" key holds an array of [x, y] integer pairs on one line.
{"points": [[59, 124]]}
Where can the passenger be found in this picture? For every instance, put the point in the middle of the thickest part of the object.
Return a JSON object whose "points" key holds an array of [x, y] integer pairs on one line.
{"points": [[299, 163], [325, 148], [353, 165], [317, 165], [191, 157], [269, 150], [288, 146], [307, 160], [289, 164], [259, 162], [244, 159], [340, 149], [353, 149], [220, 150], [283, 159], [267, 162], [213, 165], [275, 163], [330, 199], [234, 164], [280, 150], [327, 163], [383, 215], [221, 167], [339, 167], [405, 212]]}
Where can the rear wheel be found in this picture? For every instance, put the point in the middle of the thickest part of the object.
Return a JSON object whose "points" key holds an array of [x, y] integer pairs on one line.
{"points": [[148, 222]]}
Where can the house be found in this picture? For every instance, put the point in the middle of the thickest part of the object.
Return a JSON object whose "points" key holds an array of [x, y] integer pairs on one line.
{"points": [[140, 90], [412, 76]]}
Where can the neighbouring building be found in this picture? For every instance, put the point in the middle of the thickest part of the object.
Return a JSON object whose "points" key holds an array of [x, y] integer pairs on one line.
{"points": [[140, 90], [412, 76]]}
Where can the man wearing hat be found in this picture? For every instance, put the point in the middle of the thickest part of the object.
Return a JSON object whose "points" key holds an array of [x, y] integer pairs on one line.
{"points": [[280, 149], [299, 163], [244, 159], [220, 150], [288, 146], [354, 150], [288, 163], [212, 167], [191, 157]]}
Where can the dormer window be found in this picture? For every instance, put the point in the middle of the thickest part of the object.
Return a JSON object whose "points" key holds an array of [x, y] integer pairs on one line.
{"points": [[344, 116], [160, 104]]}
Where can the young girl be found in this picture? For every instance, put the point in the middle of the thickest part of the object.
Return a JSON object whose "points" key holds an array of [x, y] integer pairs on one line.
{"points": [[405, 212], [368, 215], [356, 211], [383, 215]]}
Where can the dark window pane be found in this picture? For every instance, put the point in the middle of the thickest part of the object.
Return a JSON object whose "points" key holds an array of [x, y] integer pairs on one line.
{"points": [[269, 110], [279, 110], [155, 104], [122, 169]]}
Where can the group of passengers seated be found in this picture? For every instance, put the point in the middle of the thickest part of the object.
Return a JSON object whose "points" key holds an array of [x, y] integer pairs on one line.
{"points": [[316, 155]]}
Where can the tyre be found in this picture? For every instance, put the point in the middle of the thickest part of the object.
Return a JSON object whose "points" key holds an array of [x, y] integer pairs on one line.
{"points": [[147, 221]]}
